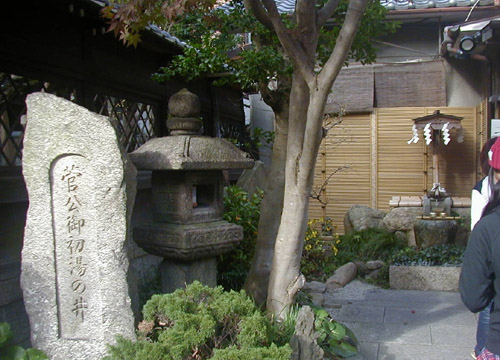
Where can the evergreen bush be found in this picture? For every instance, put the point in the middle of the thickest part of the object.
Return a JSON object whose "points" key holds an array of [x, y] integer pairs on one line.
{"points": [[200, 322]]}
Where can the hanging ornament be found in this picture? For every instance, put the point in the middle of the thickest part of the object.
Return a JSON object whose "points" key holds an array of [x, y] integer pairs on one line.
{"points": [[415, 138], [446, 133], [427, 134]]}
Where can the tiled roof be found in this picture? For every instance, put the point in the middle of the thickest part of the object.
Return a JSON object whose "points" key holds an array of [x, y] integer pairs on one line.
{"points": [[288, 6], [426, 4]]}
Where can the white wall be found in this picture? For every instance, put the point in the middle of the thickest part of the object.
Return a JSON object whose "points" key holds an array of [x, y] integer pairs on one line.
{"points": [[262, 116]]}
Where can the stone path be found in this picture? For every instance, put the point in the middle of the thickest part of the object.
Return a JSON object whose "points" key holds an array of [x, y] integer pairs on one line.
{"points": [[404, 324]]}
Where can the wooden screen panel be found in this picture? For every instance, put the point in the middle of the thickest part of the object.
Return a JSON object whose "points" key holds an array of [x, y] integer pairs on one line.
{"points": [[346, 155], [400, 166]]}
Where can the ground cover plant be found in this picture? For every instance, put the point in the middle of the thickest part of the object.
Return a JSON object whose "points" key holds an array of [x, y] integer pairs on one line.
{"points": [[436, 255], [243, 210], [9, 351]]}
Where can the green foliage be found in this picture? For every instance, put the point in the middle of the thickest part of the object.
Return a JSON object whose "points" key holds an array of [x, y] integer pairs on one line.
{"points": [[255, 139], [15, 352], [273, 352], [200, 322], [366, 245], [320, 258], [437, 255], [216, 45], [334, 337], [371, 27], [240, 209]]}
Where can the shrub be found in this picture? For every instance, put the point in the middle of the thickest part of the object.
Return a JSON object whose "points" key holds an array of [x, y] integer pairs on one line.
{"points": [[366, 245], [240, 209], [200, 322], [437, 255], [15, 352]]}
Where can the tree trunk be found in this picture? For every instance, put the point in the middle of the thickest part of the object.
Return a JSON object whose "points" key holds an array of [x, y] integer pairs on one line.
{"points": [[270, 214], [286, 279]]}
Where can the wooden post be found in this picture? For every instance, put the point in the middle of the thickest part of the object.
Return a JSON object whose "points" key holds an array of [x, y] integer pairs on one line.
{"points": [[435, 156]]}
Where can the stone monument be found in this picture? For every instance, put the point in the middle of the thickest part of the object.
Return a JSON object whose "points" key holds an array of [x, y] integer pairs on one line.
{"points": [[81, 188], [187, 229]]}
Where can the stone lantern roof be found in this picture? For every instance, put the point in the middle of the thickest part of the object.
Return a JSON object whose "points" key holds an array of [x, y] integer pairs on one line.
{"points": [[184, 149], [190, 152]]}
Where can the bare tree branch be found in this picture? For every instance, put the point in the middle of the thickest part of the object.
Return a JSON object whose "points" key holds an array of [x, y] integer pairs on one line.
{"points": [[317, 194], [306, 15], [260, 13], [326, 12], [346, 36], [291, 46]]}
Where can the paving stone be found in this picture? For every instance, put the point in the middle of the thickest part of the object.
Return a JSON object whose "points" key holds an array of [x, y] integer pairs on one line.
{"points": [[394, 333], [361, 313], [422, 352], [368, 351], [454, 335], [440, 327], [426, 316]]}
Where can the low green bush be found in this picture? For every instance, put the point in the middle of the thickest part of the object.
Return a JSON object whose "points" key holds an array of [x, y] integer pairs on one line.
{"points": [[244, 210], [200, 322], [437, 255], [366, 245], [8, 351]]}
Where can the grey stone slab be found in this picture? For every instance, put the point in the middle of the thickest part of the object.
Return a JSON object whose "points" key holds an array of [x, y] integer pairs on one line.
{"points": [[394, 333], [422, 352], [429, 316], [454, 335], [81, 189], [361, 313], [424, 277]]}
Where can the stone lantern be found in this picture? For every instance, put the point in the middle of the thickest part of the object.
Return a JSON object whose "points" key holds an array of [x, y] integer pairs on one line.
{"points": [[187, 229]]}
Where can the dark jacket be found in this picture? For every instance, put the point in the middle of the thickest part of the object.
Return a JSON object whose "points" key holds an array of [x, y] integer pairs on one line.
{"points": [[480, 277]]}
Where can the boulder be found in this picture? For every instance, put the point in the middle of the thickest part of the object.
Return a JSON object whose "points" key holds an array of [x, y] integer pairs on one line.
{"points": [[342, 276], [314, 287], [361, 217], [362, 270], [318, 299], [303, 341], [401, 218], [373, 274], [463, 226], [374, 265], [433, 232]]}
